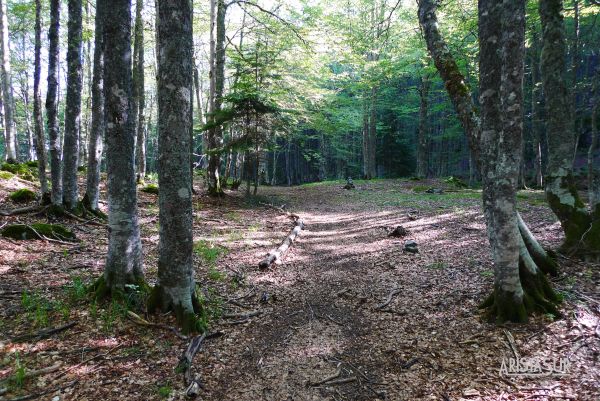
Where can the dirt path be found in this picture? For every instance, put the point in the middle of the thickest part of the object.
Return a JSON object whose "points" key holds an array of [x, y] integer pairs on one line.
{"points": [[428, 343], [318, 310]]}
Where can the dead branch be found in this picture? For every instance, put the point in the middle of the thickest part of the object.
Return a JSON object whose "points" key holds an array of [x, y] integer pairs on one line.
{"points": [[137, 319], [186, 359], [23, 210], [511, 342], [278, 253], [44, 333], [41, 393], [337, 374], [84, 221], [391, 295]]}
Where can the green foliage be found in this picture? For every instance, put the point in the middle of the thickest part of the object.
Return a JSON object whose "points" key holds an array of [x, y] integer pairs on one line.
{"points": [[164, 391], [76, 291], [37, 308], [23, 170], [209, 252], [23, 195], [17, 380], [455, 181]]}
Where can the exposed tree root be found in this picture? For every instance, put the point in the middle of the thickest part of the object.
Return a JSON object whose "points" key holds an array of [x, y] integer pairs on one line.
{"points": [[187, 317], [101, 289], [542, 259], [537, 297]]}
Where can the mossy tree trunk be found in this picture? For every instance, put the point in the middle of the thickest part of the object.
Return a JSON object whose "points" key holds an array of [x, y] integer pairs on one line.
{"points": [[52, 105], [73, 105], [124, 259], [175, 289], [518, 279], [96, 139], [581, 228]]}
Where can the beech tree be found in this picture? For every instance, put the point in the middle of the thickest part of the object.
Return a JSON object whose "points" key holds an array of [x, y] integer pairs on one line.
{"points": [[38, 123], [175, 289], [52, 105], [520, 286], [10, 134], [73, 106], [96, 136], [124, 258], [139, 96], [581, 227]]}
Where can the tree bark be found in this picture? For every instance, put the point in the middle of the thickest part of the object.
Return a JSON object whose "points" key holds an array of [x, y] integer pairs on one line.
{"points": [[582, 230], [124, 259], [139, 98], [11, 144], [423, 138], [73, 105], [52, 105], [96, 138], [40, 142], [175, 289], [215, 133], [520, 287]]}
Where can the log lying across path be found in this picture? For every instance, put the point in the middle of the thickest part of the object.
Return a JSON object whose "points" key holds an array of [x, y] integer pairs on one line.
{"points": [[278, 253]]}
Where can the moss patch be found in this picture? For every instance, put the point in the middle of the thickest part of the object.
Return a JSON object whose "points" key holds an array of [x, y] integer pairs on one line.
{"points": [[23, 195], [23, 170], [150, 189], [33, 231], [6, 175]]}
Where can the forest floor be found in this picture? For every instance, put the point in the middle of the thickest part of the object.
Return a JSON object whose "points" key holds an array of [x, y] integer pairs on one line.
{"points": [[315, 330]]}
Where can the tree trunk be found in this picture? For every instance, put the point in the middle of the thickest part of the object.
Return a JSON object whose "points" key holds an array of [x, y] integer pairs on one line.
{"points": [[73, 106], [124, 259], [366, 142], [373, 135], [139, 99], [96, 137], [175, 289], [215, 139], [52, 105], [40, 142], [11, 144], [422, 156], [582, 230], [520, 286], [593, 176]]}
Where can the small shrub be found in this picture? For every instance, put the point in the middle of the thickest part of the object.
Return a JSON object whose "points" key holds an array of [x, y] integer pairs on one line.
{"points": [[164, 391], [457, 182]]}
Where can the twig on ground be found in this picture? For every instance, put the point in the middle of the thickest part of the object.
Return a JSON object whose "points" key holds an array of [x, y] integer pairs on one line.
{"points": [[44, 333], [185, 363], [137, 319], [41, 393], [337, 374], [391, 295], [511, 342]]}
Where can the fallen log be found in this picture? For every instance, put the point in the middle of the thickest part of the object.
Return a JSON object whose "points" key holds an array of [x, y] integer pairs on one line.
{"points": [[278, 253]]}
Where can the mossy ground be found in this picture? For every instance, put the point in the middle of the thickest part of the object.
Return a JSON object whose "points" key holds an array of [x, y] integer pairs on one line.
{"points": [[150, 189], [33, 231], [23, 195]]}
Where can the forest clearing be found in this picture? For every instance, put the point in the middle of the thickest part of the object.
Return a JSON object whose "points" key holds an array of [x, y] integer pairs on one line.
{"points": [[285, 329], [300, 200]]}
